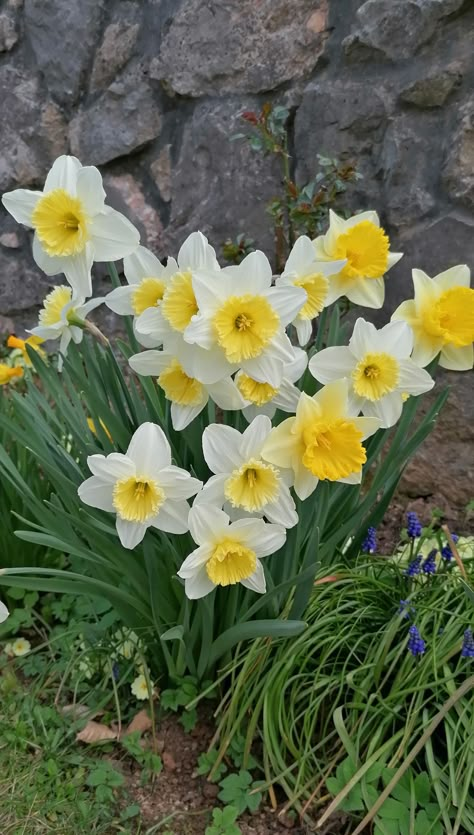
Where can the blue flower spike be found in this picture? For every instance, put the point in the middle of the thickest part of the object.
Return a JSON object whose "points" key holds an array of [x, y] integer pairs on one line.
{"points": [[446, 552], [416, 644], [414, 567], [369, 545], [467, 649], [413, 525], [429, 565]]}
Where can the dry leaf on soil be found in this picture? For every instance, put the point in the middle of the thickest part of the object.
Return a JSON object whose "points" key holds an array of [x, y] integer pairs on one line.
{"points": [[141, 722], [95, 732]]}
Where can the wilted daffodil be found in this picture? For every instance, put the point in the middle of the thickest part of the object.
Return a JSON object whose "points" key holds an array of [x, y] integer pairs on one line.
{"points": [[365, 247], [442, 318], [322, 441], [143, 488], [63, 317], [378, 367], [188, 395], [9, 373], [73, 226], [302, 270], [263, 399], [243, 480], [245, 316], [227, 553]]}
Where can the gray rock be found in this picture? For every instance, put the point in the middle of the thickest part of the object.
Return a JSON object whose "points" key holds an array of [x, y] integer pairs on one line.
{"points": [[22, 285], [126, 194], [161, 173], [458, 175], [63, 35], [408, 171], [8, 32], [218, 186], [21, 156], [117, 46], [240, 45], [433, 90], [395, 29], [124, 118]]}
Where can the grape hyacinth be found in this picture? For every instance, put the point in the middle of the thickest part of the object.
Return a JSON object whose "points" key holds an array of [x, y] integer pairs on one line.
{"points": [[429, 565], [406, 609], [416, 644], [413, 525], [369, 545], [414, 567], [467, 649], [446, 552]]}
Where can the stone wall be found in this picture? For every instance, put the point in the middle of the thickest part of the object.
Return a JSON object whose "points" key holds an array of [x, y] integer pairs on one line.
{"points": [[151, 90]]}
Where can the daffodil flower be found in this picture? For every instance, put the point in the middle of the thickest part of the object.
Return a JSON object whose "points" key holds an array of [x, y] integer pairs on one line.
{"points": [[243, 480], [165, 323], [322, 441], [73, 226], [63, 317], [379, 369], [143, 488], [227, 553], [302, 270], [188, 395], [365, 247], [245, 316], [9, 373], [21, 345], [442, 318], [263, 399], [4, 613]]}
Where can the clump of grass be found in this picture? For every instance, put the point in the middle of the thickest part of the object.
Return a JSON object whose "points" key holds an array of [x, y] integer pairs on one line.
{"points": [[340, 708]]}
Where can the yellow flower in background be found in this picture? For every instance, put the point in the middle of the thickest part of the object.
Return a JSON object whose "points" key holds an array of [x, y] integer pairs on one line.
{"points": [[20, 345], [441, 316], [322, 441], [7, 373], [93, 428], [21, 647], [139, 687], [365, 247]]}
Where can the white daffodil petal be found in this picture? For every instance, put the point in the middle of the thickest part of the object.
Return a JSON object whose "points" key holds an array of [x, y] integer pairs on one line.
{"points": [[286, 399], [283, 510], [142, 264], [200, 331], [413, 379], [363, 338], [396, 339], [182, 416], [194, 561], [120, 300], [254, 273], [256, 581], [149, 363], [254, 437], [198, 586], [287, 301], [261, 537], [4, 613], [149, 449], [77, 269], [178, 484], [21, 204], [63, 174], [388, 409], [305, 482], [207, 366], [49, 264], [172, 517], [304, 329], [221, 445], [458, 276], [368, 292], [197, 254], [302, 254], [226, 395], [367, 425], [207, 523], [112, 467], [96, 493], [213, 492], [264, 369], [90, 190], [113, 236], [332, 364], [425, 349], [456, 358], [281, 445], [83, 310], [130, 533]]}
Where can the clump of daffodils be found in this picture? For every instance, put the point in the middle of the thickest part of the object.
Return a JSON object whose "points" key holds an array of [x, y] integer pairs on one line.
{"points": [[238, 343]]}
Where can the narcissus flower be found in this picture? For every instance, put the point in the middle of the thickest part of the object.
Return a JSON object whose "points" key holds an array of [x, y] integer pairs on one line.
{"points": [[322, 441], [188, 395], [141, 487], [147, 280], [365, 247], [302, 270], [243, 480], [442, 318], [228, 553], [379, 369], [263, 399], [9, 373], [4, 613], [63, 317], [241, 313], [73, 226], [21, 647], [20, 345]]}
